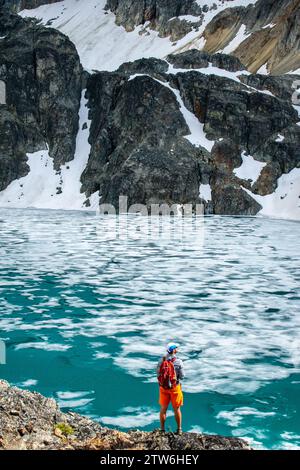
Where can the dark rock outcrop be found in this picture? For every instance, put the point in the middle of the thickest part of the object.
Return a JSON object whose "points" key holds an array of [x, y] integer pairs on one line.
{"points": [[195, 59], [43, 77], [138, 144], [272, 28], [162, 15], [280, 86], [29, 421]]}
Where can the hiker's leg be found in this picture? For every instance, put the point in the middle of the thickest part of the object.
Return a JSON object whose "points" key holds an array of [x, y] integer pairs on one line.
{"points": [[163, 417], [178, 417]]}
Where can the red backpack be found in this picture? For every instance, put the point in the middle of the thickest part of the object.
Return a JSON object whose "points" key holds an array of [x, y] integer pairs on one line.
{"points": [[167, 375]]}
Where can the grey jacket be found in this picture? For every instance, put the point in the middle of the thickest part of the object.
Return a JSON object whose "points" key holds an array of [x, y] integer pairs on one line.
{"points": [[178, 365]]}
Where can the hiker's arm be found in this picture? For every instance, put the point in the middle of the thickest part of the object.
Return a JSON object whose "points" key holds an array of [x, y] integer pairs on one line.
{"points": [[181, 371], [158, 368]]}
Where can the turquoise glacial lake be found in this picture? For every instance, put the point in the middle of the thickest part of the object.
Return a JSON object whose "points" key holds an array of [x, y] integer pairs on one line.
{"points": [[88, 304]]}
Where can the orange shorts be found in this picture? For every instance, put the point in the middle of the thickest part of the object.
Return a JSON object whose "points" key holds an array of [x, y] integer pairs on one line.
{"points": [[174, 395]]}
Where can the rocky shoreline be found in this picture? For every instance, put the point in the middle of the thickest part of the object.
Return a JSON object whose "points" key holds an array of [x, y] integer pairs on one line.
{"points": [[30, 421]]}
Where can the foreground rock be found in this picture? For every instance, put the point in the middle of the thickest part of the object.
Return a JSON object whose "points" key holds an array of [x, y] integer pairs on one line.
{"points": [[29, 421]]}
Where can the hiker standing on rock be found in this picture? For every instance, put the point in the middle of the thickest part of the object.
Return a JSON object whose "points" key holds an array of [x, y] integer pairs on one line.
{"points": [[169, 374]]}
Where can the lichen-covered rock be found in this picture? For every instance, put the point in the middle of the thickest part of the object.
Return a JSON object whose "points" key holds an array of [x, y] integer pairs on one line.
{"points": [[29, 421]]}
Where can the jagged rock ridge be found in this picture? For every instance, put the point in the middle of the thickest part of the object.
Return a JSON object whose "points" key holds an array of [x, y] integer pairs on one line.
{"points": [[161, 14]]}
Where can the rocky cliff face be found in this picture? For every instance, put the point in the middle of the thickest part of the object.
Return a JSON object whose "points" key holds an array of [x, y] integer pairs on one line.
{"points": [[29, 421], [43, 78], [138, 133], [264, 33], [158, 129]]}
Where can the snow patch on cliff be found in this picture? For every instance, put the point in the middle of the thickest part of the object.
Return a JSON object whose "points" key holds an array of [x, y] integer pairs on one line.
{"points": [[197, 135], [285, 201], [236, 41], [45, 188], [205, 192], [250, 169]]}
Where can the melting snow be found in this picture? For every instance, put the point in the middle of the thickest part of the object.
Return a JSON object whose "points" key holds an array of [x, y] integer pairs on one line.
{"points": [[211, 70], [250, 169], [270, 25], [189, 18], [285, 201], [205, 192], [102, 45], [263, 70]]}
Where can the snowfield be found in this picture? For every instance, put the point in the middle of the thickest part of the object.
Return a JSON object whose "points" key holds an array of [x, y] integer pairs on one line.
{"points": [[102, 45]]}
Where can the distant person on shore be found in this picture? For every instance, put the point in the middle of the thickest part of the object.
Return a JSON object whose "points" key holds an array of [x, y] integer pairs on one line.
{"points": [[169, 374]]}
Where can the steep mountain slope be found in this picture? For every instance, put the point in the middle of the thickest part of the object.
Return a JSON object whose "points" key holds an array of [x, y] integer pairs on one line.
{"points": [[182, 128], [103, 45], [263, 34], [268, 35], [165, 130]]}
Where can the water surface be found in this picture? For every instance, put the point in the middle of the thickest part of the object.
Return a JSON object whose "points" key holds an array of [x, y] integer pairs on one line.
{"points": [[85, 316]]}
